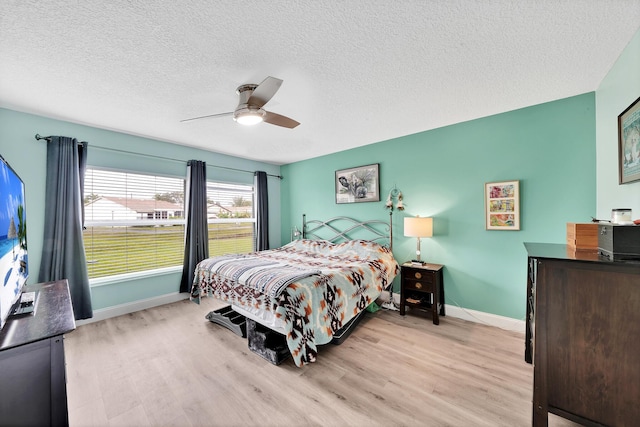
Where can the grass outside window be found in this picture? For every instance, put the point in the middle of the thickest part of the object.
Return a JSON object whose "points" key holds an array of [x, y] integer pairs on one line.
{"points": [[129, 249]]}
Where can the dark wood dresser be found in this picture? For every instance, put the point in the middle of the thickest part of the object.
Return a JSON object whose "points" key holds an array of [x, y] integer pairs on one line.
{"points": [[33, 389], [583, 336]]}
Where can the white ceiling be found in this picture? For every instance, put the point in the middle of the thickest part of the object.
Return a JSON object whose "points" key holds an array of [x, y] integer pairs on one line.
{"points": [[355, 72]]}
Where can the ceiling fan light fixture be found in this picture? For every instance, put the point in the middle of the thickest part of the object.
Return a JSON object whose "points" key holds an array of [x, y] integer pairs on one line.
{"points": [[249, 117], [251, 99]]}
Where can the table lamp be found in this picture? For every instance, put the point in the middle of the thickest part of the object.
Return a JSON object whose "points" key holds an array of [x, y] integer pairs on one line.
{"points": [[418, 227]]}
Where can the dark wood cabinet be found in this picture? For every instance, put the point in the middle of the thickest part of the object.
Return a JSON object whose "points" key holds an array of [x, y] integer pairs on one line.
{"points": [[33, 390], [422, 288], [583, 336]]}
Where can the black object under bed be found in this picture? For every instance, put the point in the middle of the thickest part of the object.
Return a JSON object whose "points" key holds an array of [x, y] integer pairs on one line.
{"points": [[263, 341]]}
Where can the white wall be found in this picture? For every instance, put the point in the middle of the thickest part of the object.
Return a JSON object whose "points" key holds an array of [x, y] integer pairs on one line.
{"points": [[617, 91]]}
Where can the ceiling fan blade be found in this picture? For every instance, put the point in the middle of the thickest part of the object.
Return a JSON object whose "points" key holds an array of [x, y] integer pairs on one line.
{"points": [[264, 92], [279, 120], [210, 115]]}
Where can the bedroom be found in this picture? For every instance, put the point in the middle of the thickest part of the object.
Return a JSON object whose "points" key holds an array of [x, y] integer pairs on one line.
{"points": [[565, 157]]}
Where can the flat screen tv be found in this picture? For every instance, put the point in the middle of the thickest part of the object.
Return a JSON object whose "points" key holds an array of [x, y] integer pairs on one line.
{"points": [[14, 268]]}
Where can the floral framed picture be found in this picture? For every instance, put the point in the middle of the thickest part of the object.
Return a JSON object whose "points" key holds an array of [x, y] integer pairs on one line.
{"points": [[629, 143], [502, 205], [359, 184]]}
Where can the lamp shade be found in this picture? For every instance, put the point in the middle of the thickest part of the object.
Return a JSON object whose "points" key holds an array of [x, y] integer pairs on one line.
{"points": [[418, 227]]}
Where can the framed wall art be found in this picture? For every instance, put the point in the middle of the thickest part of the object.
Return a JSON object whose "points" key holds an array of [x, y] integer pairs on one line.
{"points": [[502, 205], [629, 143], [359, 184]]}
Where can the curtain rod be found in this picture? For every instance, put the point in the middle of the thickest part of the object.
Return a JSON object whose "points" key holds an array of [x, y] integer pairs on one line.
{"points": [[48, 139]]}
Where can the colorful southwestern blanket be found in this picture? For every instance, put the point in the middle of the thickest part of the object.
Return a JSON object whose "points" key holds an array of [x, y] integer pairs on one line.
{"points": [[258, 272], [323, 286]]}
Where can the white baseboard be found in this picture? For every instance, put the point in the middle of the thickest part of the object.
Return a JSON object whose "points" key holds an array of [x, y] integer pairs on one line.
{"points": [[131, 307], [454, 311], [501, 322]]}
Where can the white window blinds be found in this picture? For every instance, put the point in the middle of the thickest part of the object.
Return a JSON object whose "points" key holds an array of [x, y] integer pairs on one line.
{"points": [[135, 222], [231, 218]]}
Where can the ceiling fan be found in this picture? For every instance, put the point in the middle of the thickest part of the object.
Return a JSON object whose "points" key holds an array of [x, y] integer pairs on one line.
{"points": [[249, 110]]}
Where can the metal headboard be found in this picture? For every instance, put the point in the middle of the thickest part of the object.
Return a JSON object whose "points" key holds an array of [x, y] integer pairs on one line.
{"points": [[342, 228]]}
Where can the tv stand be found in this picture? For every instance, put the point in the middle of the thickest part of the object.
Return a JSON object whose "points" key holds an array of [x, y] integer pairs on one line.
{"points": [[33, 388]]}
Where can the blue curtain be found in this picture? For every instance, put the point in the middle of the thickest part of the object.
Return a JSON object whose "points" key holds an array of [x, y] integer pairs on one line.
{"points": [[63, 249], [262, 211], [196, 245]]}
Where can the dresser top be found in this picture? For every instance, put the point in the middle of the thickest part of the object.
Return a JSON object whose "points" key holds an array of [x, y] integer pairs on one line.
{"points": [[53, 316], [564, 252]]}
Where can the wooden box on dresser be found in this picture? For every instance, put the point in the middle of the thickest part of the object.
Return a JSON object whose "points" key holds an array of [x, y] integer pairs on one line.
{"points": [[583, 336]]}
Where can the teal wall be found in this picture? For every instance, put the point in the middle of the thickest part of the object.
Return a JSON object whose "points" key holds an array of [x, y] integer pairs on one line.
{"points": [[28, 157], [556, 150], [550, 148], [619, 88]]}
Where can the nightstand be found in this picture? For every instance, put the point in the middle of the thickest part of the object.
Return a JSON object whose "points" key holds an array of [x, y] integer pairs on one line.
{"points": [[422, 288]]}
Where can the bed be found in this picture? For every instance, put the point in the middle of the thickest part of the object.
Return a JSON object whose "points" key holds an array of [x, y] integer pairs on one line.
{"points": [[309, 289]]}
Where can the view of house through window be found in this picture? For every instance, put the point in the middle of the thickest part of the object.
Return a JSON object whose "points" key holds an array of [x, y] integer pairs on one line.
{"points": [[135, 222], [230, 217]]}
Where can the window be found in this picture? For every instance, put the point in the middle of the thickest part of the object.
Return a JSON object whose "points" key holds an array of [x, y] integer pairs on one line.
{"points": [[135, 222], [230, 217]]}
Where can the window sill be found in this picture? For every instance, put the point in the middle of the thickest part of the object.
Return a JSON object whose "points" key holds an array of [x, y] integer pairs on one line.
{"points": [[119, 278]]}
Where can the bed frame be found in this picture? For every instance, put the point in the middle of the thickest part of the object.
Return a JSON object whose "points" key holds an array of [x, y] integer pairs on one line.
{"points": [[342, 228], [270, 344]]}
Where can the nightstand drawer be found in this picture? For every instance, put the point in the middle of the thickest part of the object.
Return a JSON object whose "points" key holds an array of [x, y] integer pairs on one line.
{"points": [[423, 276], [418, 285]]}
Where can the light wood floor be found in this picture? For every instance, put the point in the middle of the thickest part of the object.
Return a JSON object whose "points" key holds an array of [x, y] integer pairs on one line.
{"points": [[168, 366]]}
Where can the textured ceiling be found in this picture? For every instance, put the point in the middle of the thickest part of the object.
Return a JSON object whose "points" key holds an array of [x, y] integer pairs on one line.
{"points": [[355, 72]]}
